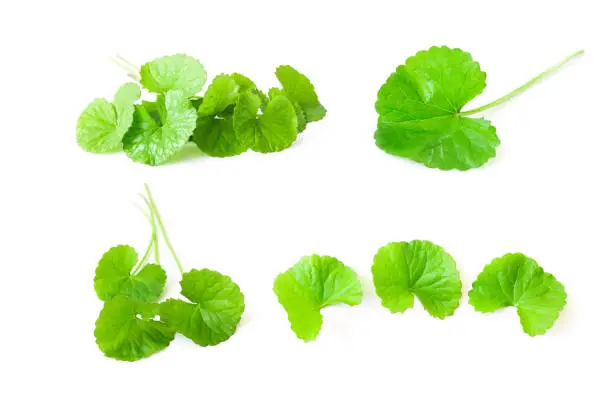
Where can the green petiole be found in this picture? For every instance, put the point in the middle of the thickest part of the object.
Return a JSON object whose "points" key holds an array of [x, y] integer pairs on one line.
{"points": [[132, 70], [524, 87], [153, 243], [155, 213]]}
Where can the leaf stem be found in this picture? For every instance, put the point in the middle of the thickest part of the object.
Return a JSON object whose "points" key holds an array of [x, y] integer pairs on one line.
{"points": [[524, 87], [132, 70], [162, 228], [154, 227], [152, 243]]}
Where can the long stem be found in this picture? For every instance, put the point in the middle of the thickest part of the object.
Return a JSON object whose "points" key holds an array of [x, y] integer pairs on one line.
{"points": [[524, 87], [152, 244], [163, 229], [154, 227], [131, 69]]}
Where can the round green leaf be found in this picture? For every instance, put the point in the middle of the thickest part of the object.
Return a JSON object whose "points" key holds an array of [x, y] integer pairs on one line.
{"points": [[516, 280], [125, 330], [155, 136], [114, 276], [102, 124], [177, 72], [402, 270], [222, 93], [216, 137], [272, 131], [300, 91], [420, 111], [215, 312], [313, 283]]}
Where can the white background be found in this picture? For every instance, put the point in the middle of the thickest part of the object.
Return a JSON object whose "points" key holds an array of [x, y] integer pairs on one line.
{"points": [[334, 192]]}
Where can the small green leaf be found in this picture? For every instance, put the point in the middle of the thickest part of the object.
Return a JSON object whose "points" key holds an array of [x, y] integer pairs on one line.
{"points": [[272, 131], [177, 72], [516, 280], [216, 137], [114, 276], [155, 136], [300, 91], [126, 329], [420, 111], [222, 93], [402, 270], [313, 283], [102, 124], [215, 312]]}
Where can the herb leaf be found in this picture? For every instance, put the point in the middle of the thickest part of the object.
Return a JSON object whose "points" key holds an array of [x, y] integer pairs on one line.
{"points": [[216, 137], [125, 329], [273, 130], [222, 93], [160, 130], [313, 283], [114, 276], [516, 280], [419, 109], [102, 124], [402, 270], [215, 312], [301, 92], [177, 72]]}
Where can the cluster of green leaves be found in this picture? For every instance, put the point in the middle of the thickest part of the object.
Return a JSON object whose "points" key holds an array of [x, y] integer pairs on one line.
{"points": [[133, 325], [403, 270], [231, 117], [420, 110]]}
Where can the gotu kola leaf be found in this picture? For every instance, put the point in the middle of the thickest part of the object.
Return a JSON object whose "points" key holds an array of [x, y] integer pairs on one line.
{"points": [[516, 280], [115, 276], [420, 110], [420, 105], [161, 129], [402, 270], [176, 72], [298, 88], [127, 330], [103, 124], [214, 133], [271, 131], [313, 283], [215, 312]]}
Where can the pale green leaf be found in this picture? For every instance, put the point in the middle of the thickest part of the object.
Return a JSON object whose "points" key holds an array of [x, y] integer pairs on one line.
{"points": [[516, 280], [313, 283], [177, 72]]}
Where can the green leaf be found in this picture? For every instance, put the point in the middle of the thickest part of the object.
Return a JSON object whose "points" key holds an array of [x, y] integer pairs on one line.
{"points": [[216, 137], [156, 136], [114, 276], [126, 329], [244, 83], [102, 124], [215, 312], [313, 283], [516, 280], [177, 72], [420, 111], [222, 93], [299, 112], [272, 131], [402, 270], [300, 91]]}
